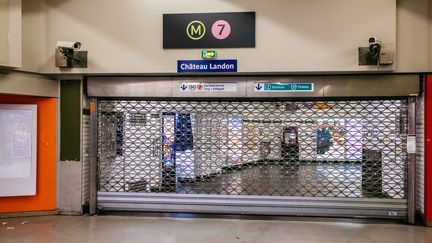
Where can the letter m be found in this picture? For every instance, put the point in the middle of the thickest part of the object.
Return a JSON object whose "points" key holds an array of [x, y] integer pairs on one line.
{"points": [[196, 30]]}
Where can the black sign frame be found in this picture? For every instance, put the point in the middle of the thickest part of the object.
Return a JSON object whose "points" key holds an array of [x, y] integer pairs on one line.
{"points": [[209, 30]]}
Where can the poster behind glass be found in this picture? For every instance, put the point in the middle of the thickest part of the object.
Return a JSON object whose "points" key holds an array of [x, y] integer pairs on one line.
{"points": [[18, 150], [338, 138]]}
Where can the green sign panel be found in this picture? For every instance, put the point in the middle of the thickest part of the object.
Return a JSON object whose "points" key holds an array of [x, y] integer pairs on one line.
{"points": [[284, 87], [208, 54]]}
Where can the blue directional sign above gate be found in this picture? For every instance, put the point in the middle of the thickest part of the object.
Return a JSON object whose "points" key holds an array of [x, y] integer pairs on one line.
{"points": [[284, 87]]}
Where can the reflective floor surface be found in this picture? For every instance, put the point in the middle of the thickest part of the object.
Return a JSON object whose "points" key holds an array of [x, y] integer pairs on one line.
{"points": [[125, 229], [284, 180]]}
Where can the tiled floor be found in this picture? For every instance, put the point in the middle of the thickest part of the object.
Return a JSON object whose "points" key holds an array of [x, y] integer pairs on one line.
{"points": [[121, 229]]}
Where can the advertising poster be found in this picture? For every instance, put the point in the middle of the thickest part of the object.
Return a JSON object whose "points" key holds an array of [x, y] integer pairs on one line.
{"points": [[338, 139]]}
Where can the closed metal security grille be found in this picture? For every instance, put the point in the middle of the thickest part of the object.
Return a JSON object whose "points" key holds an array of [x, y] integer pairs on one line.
{"points": [[343, 149]]}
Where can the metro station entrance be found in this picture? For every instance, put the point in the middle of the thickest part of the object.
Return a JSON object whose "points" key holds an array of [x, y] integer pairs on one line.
{"points": [[340, 157]]}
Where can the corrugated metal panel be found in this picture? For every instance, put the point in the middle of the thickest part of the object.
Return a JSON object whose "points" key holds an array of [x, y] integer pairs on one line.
{"points": [[420, 168], [86, 160], [263, 205], [329, 86]]}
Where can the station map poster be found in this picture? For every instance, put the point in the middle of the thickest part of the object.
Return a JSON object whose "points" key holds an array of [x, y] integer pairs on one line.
{"points": [[18, 150]]}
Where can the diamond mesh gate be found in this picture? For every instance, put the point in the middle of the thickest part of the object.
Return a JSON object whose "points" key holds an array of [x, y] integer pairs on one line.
{"points": [[339, 149]]}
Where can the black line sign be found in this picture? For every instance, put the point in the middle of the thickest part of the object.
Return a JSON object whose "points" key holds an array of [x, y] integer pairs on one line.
{"points": [[209, 30]]}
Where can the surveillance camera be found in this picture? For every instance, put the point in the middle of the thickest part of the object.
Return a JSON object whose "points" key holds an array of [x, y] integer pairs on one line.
{"points": [[74, 45], [374, 41]]}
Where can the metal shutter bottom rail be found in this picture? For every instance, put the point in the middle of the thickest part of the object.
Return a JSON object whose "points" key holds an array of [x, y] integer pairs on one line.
{"points": [[253, 205]]}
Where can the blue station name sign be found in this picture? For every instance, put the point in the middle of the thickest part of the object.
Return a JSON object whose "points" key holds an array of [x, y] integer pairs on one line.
{"points": [[207, 66]]}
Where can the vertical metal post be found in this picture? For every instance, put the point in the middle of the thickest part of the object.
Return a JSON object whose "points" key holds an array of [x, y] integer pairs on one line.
{"points": [[411, 145], [93, 157]]}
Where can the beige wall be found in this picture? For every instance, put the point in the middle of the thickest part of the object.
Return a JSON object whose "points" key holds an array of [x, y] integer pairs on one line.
{"points": [[413, 36], [34, 33], [430, 37], [10, 33], [292, 36], [4, 31], [27, 84]]}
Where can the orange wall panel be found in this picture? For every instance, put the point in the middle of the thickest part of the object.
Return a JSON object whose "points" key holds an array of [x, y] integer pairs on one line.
{"points": [[46, 158]]}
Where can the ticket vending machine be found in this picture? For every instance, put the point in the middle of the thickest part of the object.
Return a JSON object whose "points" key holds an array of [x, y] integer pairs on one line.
{"points": [[290, 144]]}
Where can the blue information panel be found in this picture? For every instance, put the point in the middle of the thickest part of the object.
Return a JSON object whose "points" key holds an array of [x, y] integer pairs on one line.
{"points": [[207, 66]]}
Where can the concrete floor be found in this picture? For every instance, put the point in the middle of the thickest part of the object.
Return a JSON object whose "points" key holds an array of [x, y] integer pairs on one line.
{"points": [[122, 229]]}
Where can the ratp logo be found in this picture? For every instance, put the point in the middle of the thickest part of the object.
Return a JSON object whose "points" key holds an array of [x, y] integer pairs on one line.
{"points": [[196, 30], [192, 87]]}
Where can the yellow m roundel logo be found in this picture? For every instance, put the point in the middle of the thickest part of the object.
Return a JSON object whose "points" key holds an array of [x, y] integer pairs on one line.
{"points": [[196, 30]]}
